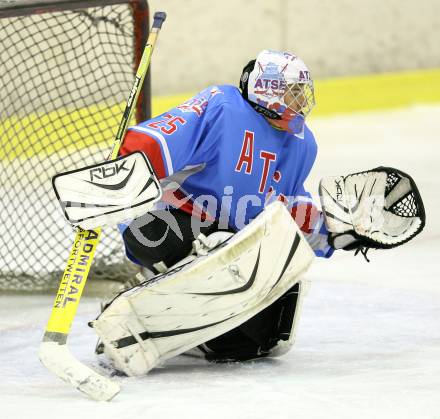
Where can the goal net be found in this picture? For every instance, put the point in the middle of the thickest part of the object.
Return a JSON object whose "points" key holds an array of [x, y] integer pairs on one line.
{"points": [[66, 69]]}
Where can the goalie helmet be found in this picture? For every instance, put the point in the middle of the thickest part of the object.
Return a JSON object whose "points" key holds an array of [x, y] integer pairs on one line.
{"points": [[279, 86]]}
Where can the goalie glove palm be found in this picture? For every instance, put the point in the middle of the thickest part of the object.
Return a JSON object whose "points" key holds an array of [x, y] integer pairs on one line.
{"points": [[380, 208]]}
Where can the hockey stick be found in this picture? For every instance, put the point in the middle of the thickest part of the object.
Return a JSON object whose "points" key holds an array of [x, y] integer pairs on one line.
{"points": [[54, 353]]}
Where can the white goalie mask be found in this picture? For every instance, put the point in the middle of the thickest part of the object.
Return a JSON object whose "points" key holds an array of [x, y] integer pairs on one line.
{"points": [[279, 85]]}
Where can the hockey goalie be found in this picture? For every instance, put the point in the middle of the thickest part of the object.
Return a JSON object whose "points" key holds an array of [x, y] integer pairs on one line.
{"points": [[210, 202]]}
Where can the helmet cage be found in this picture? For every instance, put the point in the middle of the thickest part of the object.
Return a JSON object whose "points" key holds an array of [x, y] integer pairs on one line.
{"points": [[299, 97]]}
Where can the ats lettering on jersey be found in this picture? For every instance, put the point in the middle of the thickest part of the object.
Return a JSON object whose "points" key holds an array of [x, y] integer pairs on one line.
{"points": [[268, 158], [247, 153], [283, 199], [167, 124], [276, 176], [246, 159]]}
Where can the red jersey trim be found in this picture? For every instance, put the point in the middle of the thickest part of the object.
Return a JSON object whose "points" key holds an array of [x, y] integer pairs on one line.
{"points": [[139, 141]]}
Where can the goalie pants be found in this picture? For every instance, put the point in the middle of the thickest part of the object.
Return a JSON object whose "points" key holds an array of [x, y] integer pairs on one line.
{"points": [[253, 339]]}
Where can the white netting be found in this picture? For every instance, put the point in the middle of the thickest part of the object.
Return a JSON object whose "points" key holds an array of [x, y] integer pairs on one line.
{"points": [[64, 79]]}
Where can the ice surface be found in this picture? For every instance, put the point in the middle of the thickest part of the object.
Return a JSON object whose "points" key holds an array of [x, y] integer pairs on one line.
{"points": [[368, 344]]}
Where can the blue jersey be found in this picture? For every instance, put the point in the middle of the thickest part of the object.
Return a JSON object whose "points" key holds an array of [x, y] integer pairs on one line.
{"points": [[225, 161]]}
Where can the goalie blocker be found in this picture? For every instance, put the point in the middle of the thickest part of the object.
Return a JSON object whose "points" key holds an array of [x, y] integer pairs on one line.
{"points": [[109, 192]]}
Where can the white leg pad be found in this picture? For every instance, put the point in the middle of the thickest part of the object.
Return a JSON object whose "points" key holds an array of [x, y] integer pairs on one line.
{"points": [[193, 303]]}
